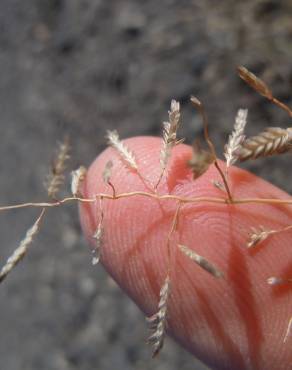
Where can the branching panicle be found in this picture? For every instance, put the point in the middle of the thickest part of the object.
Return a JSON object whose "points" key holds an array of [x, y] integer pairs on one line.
{"points": [[236, 138], [158, 321], [271, 141]]}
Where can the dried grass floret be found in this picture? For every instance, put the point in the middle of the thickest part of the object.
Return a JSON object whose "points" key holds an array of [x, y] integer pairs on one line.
{"points": [[289, 330], [236, 138], [274, 140], [22, 249], [256, 83], [258, 235], [98, 242], [218, 184], [278, 281], [170, 133], [261, 87], [107, 172], [122, 149], [200, 161], [56, 177], [201, 261], [106, 176], [78, 177], [169, 136], [158, 322], [98, 235]]}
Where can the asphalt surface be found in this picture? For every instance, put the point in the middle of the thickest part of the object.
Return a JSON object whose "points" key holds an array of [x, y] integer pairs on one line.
{"points": [[82, 67]]}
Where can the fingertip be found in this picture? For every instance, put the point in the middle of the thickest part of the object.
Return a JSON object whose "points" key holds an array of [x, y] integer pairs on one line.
{"points": [[225, 322]]}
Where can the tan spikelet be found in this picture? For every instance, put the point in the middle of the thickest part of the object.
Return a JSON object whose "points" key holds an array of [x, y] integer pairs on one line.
{"points": [[170, 133], [56, 177], [158, 321], [272, 141], [122, 149], [256, 83], [273, 280], [201, 261], [78, 177], [236, 138], [289, 330], [98, 241], [107, 172], [200, 161], [169, 137], [22, 249], [258, 235], [261, 87]]}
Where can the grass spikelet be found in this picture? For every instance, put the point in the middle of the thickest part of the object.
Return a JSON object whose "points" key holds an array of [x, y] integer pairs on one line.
{"points": [[98, 241], [272, 141], [169, 136], [278, 281], [200, 161], [218, 184], [158, 321], [98, 235], [289, 330], [261, 87], [56, 177], [257, 236], [170, 133], [22, 249], [106, 176], [107, 172], [236, 138], [77, 178], [256, 83], [121, 148], [201, 261]]}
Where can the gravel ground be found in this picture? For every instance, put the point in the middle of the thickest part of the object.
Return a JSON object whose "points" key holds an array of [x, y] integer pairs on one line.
{"points": [[81, 67]]}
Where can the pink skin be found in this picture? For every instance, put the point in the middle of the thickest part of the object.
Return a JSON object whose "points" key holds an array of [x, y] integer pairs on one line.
{"points": [[237, 322]]}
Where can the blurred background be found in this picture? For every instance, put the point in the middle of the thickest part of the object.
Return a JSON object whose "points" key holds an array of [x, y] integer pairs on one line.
{"points": [[82, 67]]}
